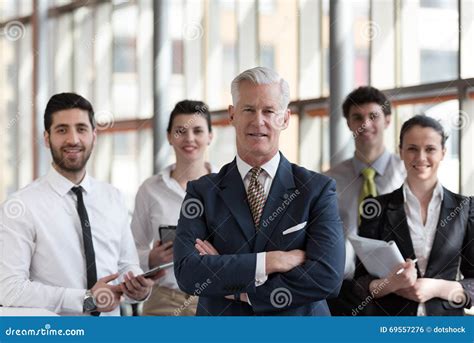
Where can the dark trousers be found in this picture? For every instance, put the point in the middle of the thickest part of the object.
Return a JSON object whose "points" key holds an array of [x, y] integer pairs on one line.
{"points": [[346, 303]]}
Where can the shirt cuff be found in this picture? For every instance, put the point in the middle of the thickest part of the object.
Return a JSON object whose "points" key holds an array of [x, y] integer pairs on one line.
{"points": [[260, 272], [73, 300]]}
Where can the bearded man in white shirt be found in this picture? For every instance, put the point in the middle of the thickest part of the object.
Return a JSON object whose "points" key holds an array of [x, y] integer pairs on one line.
{"points": [[66, 241]]}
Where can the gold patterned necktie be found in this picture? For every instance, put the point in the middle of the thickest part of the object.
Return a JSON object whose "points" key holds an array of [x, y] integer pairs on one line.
{"points": [[368, 187], [256, 195]]}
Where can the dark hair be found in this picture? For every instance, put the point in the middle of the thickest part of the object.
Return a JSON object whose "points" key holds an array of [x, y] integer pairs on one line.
{"points": [[190, 107], [423, 121], [66, 101], [365, 95]]}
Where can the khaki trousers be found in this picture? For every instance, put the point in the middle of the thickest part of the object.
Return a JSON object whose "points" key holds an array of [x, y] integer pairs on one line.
{"points": [[165, 301]]}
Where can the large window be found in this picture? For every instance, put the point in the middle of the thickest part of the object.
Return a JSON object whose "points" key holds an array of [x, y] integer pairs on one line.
{"points": [[10, 9], [364, 33], [123, 158], [124, 71], [277, 38], [221, 49], [467, 37], [16, 107], [429, 41], [104, 51], [310, 33]]}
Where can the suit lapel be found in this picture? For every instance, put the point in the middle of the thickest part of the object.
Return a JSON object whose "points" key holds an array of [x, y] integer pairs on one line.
{"points": [[397, 219], [281, 186], [441, 236], [233, 194]]}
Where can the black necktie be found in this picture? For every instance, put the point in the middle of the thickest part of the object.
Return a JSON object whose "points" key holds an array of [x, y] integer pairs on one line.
{"points": [[87, 238], [88, 244]]}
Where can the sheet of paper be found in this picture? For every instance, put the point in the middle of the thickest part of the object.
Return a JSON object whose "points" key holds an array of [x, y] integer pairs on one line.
{"points": [[378, 257]]}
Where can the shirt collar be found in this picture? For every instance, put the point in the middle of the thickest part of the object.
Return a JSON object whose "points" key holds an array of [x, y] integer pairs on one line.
{"points": [[270, 167], [165, 174], [380, 164], [62, 185], [408, 194]]}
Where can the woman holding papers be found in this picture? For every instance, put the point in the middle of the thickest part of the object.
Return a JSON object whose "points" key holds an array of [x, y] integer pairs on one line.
{"points": [[430, 225], [158, 203]]}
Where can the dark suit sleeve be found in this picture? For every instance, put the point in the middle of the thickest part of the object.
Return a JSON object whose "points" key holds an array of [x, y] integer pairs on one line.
{"points": [[321, 275], [220, 274], [369, 228], [467, 257]]}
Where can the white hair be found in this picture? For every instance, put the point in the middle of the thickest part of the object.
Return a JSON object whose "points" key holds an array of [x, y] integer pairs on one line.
{"points": [[261, 76]]}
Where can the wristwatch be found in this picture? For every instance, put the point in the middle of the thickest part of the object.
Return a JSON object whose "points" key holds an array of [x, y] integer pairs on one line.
{"points": [[89, 304]]}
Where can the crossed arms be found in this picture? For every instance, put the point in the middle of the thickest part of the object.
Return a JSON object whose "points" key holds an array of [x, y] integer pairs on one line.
{"points": [[310, 274]]}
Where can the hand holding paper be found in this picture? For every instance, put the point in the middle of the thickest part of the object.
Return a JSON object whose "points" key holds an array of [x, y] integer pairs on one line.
{"points": [[401, 270], [378, 257]]}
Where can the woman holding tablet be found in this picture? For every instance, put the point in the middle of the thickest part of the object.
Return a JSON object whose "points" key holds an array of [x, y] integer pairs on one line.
{"points": [[428, 223], [158, 204]]}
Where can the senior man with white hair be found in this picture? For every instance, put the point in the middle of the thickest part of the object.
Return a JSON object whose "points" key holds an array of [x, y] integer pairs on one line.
{"points": [[263, 236]]}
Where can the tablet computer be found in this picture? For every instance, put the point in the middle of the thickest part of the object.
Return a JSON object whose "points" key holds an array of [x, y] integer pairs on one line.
{"points": [[152, 272], [167, 233]]}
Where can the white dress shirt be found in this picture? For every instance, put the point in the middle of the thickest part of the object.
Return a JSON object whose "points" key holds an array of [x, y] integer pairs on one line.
{"points": [[389, 176], [43, 261], [158, 202], [265, 178], [422, 235]]}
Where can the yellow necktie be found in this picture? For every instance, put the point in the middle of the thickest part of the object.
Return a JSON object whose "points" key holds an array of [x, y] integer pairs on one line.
{"points": [[368, 187]]}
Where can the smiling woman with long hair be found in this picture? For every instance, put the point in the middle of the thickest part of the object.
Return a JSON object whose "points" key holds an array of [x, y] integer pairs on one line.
{"points": [[159, 199], [430, 224]]}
